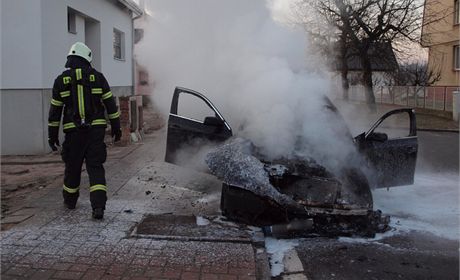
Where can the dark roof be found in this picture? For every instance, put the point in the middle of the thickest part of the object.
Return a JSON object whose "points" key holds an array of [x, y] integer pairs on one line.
{"points": [[382, 59]]}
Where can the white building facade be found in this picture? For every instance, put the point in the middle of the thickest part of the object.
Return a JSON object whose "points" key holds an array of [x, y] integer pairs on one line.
{"points": [[35, 39]]}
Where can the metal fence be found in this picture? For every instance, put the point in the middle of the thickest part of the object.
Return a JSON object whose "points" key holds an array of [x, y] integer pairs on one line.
{"points": [[434, 97]]}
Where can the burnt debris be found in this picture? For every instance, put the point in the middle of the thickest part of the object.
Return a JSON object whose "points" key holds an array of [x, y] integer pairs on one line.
{"points": [[280, 192]]}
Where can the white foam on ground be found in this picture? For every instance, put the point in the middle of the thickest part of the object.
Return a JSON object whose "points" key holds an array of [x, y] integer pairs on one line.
{"points": [[375, 240], [201, 221], [430, 205], [277, 249], [209, 198]]}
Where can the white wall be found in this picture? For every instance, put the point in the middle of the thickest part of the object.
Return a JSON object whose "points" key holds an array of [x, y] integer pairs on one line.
{"points": [[21, 59], [24, 121], [34, 47], [57, 40], [35, 40]]}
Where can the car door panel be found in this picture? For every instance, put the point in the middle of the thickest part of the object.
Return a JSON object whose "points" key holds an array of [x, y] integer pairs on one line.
{"points": [[184, 131], [392, 161]]}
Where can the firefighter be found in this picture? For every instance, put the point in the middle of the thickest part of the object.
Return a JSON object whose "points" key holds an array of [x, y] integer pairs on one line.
{"points": [[83, 95]]}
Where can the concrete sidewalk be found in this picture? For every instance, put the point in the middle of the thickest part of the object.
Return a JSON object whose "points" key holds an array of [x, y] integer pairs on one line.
{"points": [[57, 243]]}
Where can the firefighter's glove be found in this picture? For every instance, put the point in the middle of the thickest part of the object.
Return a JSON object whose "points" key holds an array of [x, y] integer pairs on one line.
{"points": [[116, 132], [53, 142]]}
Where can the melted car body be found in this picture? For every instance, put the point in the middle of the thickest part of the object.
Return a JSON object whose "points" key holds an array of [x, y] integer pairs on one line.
{"points": [[279, 191]]}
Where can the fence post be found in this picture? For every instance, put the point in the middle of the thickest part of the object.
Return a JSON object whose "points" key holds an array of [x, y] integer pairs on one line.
{"points": [[424, 97], [393, 97], [407, 96], [445, 95]]}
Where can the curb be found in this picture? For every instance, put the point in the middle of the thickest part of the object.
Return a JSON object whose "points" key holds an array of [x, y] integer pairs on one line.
{"points": [[189, 238], [438, 130], [57, 159]]}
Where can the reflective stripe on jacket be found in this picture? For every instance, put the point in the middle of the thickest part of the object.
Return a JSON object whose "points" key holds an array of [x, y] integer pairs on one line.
{"points": [[85, 103]]}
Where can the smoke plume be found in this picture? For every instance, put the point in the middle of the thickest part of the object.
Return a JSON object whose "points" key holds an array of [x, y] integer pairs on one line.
{"points": [[255, 69]]}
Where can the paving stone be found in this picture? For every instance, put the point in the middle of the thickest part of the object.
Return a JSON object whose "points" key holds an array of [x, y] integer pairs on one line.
{"points": [[209, 276], [133, 271], [153, 272], [79, 267], [214, 269], [227, 277], [92, 274], [15, 219], [10, 277], [46, 262], [104, 260], [71, 275], [61, 266], [246, 278], [110, 277], [242, 271], [42, 274], [26, 211], [170, 273], [117, 269], [20, 270], [190, 276], [86, 260], [158, 261], [141, 260], [123, 258], [27, 242]]}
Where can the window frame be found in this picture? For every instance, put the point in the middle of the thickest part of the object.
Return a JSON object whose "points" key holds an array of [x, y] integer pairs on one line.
{"points": [[71, 21], [118, 45], [456, 56], [456, 12]]}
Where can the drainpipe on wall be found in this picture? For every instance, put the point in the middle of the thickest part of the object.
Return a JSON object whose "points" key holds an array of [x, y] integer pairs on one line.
{"points": [[133, 70]]}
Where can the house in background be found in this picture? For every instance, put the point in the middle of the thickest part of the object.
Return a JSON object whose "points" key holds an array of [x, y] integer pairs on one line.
{"points": [[383, 64], [35, 39], [441, 35]]}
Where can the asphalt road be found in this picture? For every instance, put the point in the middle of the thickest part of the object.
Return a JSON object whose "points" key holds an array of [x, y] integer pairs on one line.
{"points": [[412, 255], [438, 152]]}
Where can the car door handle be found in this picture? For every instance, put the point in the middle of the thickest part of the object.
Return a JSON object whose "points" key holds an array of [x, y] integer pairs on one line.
{"points": [[175, 126]]}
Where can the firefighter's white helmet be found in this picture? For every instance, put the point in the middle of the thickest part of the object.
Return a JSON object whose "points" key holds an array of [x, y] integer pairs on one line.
{"points": [[81, 50]]}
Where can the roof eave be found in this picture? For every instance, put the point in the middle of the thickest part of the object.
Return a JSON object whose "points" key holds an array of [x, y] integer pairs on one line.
{"points": [[132, 6]]}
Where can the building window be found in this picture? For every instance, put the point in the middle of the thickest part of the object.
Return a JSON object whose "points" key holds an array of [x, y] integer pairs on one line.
{"points": [[71, 21], [138, 35], [143, 78], [457, 57], [118, 44], [456, 12]]}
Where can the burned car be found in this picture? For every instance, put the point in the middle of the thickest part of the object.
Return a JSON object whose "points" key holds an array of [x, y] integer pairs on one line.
{"points": [[296, 191]]}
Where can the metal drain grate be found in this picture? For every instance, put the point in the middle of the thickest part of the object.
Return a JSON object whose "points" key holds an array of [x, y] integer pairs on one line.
{"points": [[185, 227]]}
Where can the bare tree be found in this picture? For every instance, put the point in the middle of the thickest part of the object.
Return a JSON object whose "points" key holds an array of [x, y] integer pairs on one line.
{"points": [[328, 36], [416, 74], [363, 24]]}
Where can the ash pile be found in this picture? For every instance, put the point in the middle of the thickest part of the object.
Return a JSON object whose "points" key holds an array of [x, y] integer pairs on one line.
{"points": [[293, 196]]}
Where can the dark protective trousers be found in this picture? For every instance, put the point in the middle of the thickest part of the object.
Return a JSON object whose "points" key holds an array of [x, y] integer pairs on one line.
{"points": [[85, 145]]}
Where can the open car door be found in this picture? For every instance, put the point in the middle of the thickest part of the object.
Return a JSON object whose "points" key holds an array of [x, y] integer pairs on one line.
{"points": [[184, 130], [392, 159]]}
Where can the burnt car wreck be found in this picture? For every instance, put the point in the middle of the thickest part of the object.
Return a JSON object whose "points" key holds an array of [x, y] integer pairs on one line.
{"points": [[295, 192]]}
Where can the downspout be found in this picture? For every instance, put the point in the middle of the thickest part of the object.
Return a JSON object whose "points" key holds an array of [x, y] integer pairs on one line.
{"points": [[132, 52], [133, 64]]}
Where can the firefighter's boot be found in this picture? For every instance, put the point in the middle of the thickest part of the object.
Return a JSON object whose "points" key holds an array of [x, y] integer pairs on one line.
{"points": [[98, 213]]}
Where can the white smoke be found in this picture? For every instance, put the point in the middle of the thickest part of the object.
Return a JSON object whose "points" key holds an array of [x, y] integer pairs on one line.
{"points": [[254, 68]]}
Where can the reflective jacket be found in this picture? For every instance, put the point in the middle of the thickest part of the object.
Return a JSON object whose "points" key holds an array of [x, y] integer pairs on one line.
{"points": [[85, 95]]}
